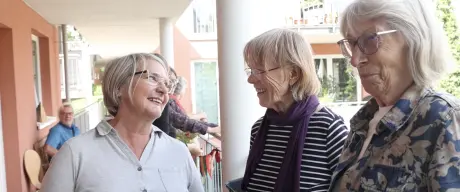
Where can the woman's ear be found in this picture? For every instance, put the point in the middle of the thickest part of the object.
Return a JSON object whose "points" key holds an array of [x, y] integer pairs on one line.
{"points": [[294, 76]]}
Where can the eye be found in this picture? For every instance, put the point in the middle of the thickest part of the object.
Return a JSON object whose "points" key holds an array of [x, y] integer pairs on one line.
{"points": [[152, 78]]}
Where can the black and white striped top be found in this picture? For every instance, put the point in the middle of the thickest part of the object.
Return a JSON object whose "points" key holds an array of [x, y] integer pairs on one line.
{"points": [[323, 145]]}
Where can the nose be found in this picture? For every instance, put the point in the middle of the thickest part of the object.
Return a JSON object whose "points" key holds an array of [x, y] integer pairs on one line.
{"points": [[356, 59], [161, 89], [252, 79]]}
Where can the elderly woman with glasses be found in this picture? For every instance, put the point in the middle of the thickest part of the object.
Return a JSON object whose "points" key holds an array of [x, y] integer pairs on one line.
{"points": [[127, 153], [407, 137], [295, 146]]}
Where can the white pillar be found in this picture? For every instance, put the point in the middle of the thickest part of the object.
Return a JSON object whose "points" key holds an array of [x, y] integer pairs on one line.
{"points": [[167, 39], [237, 22]]}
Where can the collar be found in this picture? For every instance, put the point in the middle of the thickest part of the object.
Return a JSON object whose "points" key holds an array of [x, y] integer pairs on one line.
{"points": [[104, 128], [397, 116]]}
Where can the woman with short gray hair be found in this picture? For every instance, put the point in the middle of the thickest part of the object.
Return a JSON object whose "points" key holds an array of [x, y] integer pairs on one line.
{"points": [[295, 146], [406, 138], [180, 87], [127, 153]]}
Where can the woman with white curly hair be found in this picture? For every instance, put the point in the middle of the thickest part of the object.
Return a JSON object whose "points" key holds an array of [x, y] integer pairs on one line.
{"points": [[407, 137]]}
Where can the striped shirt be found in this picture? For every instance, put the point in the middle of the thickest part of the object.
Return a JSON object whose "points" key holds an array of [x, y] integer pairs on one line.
{"points": [[323, 145]]}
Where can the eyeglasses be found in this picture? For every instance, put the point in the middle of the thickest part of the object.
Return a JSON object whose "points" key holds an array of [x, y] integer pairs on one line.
{"points": [[155, 79], [250, 71], [368, 43], [66, 114]]}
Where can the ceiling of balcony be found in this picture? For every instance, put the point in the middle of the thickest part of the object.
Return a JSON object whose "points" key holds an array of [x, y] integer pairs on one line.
{"points": [[112, 27]]}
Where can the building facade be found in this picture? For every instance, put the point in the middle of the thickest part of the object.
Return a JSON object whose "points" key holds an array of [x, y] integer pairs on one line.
{"points": [[29, 75], [196, 53]]}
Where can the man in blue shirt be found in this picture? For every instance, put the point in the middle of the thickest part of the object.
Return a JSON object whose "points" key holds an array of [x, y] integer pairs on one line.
{"points": [[62, 131]]}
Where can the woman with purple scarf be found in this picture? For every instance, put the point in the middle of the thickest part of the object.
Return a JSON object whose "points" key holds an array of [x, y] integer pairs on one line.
{"points": [[295, 146]]}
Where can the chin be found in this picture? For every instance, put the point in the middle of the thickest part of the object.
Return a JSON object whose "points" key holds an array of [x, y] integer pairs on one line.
{"points": [[263, 103]]}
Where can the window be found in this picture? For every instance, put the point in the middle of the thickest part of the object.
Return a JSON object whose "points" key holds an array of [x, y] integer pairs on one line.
{"points": [[204, 16], [205, 89], [337, 82], [346, 82], [73, 70], [36, 65]]}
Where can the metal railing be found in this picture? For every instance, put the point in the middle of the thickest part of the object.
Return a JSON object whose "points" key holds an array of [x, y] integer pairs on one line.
{"points": [[214, 183], [87, 118]]}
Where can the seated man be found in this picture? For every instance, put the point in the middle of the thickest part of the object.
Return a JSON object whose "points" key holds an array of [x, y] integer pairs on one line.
{"points": [[62, 131]]}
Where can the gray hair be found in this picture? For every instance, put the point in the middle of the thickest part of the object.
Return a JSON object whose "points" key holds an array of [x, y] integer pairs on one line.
{"points": [[120, 71], [428, 51], [180, 85], [285, 47], [65, 105]]}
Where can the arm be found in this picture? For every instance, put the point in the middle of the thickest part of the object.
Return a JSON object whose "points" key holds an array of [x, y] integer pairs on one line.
{"points": [[445, 162], [61, 175], [183, 122], [194, 176], [336, 136], [50, 151], [52, 142]]}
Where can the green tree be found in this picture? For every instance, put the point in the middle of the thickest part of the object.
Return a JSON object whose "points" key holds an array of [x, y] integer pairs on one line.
{"points": [[446, 13]]}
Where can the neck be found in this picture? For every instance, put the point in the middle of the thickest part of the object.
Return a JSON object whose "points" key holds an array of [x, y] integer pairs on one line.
{"points": [[391, 97], [134, 131], [282, 106]]}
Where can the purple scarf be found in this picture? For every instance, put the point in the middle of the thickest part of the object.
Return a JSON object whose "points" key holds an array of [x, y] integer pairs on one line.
{"points": [[289, 176]]}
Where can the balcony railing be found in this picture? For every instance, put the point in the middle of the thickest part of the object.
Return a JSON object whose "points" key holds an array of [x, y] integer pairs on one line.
{"points": [[87, 118], [211, 183]]}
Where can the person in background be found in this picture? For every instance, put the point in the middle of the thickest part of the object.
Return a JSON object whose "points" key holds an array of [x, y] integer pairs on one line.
{"points": [[62, 131], [127, 153], [179, 118], [296, 145], [407, 137]]}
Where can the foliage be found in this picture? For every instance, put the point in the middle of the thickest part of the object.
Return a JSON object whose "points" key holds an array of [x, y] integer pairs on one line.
{"points": [[446, 13], [350, 88], [185, 137], [97, 90], [328, 86], [335, 90]]}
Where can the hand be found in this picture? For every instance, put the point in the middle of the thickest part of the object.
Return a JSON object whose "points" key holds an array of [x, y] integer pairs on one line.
{"points": [[213, 130], [194, 149]]}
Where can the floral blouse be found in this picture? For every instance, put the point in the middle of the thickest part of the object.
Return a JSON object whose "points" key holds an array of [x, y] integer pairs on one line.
{"points": [[416, 146]]}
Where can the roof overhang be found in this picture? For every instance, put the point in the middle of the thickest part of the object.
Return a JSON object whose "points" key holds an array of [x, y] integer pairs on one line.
{"points": [[112, 27]]}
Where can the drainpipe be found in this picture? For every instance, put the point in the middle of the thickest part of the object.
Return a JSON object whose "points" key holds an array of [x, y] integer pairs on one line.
{"points": [[64, 51]]}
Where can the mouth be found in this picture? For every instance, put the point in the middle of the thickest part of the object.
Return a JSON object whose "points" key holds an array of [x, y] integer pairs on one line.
{"points": [[155, 100], [260, 91]]}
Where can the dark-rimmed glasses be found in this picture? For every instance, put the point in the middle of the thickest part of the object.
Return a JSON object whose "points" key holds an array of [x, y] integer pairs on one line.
{"points": [[250, 71], [155, 79], [368, 43]]}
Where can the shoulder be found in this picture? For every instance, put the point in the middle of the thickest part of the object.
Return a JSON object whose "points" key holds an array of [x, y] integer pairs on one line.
{"points": [[55, 130], [255, 127], [326, 118], [84, 140], [438, 106]]}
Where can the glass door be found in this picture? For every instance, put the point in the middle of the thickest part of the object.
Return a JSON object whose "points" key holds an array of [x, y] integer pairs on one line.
{"points": [[206, 89]]}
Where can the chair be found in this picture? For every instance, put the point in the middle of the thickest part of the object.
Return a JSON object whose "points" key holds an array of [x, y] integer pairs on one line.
{"points": [[32, 165]]}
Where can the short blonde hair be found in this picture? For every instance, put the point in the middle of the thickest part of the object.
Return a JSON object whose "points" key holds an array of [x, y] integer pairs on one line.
{"points": [[284, 47], [120, 71], [428, 52]]}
